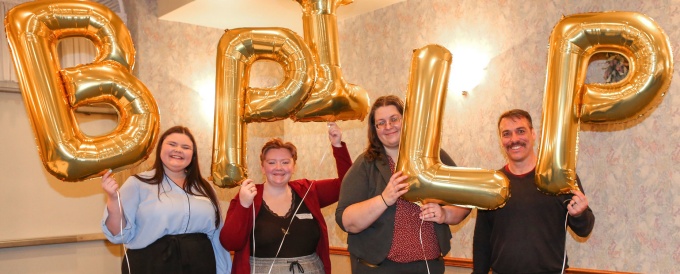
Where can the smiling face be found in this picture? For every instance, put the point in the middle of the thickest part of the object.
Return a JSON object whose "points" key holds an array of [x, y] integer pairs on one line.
{"points": [[517, 138], [388, 125], [278, 166], [176, 152]]}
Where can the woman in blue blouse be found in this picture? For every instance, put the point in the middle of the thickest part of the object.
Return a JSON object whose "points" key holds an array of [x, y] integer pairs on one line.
{"points": [[170, 219]]}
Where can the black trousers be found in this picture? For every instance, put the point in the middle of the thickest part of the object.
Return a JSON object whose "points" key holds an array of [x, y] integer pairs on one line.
{"points": [[173, 254]]}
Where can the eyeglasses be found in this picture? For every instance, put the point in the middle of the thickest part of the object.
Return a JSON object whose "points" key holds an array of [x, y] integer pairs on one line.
{"points": [[394, 121]]}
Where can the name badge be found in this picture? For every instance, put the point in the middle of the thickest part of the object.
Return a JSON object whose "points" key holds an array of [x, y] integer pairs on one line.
{"points": [[304, 216]]}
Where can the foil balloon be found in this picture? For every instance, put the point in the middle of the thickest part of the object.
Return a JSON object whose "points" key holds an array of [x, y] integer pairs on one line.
{"points": [[52, 94], [237, 104], [569, 101], [332, 98], [429, 180]]}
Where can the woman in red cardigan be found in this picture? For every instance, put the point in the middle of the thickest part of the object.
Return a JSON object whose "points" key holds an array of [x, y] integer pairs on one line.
{"points": [[290, 234]]}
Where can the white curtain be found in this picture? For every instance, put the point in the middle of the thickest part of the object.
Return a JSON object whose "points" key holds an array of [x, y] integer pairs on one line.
{"points": [[72, 51], [6, 66]]}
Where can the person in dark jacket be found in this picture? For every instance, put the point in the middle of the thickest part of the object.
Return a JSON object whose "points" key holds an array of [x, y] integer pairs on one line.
{"points": [[384, 229]]}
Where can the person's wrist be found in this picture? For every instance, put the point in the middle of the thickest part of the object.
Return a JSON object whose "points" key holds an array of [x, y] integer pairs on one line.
{"points": [[445, 215], [245, 204], [383, 199], [577, 215]]}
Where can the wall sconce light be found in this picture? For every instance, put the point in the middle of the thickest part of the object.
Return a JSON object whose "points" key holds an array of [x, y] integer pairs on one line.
{"points": [[468, 68]]}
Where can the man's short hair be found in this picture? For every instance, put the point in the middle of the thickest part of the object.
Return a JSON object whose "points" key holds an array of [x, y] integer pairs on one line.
{"points": [[516, 114]]}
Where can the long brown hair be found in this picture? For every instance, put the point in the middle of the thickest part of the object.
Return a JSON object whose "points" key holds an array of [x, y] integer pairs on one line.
{"points": [[194, 180], [375, 146]]}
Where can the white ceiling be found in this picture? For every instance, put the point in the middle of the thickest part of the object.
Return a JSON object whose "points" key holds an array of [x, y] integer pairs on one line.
{"points": [[230, 14]]}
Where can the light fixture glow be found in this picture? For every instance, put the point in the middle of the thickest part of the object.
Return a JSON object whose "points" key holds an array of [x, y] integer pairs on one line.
{"points": [[206, 92], [468, 68]]}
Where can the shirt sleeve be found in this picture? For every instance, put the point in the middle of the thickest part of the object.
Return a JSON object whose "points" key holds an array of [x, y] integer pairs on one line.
{"points": [[328, 190], [354, 189], [222, 256], [481, 244], [129, 199], [584, 224], [342, 160], [237, 225], [445, 158]]}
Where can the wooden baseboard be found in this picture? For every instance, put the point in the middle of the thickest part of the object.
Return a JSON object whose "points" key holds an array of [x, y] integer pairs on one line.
{"points": [[53, 240], [467, 263]]}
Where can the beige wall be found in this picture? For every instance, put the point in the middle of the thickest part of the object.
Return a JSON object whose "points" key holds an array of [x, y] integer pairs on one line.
{"points": [[89, 257], [628, 174]]}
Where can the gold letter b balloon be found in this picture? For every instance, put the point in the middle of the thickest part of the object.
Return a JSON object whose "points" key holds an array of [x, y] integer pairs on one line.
{"points": [[568, 100], [51, 95]]}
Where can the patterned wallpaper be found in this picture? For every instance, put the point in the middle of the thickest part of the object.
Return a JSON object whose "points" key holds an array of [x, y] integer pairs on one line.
{"points": [[627, 171]]}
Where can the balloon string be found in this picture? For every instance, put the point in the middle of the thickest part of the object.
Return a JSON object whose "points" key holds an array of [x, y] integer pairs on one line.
{"points": [[253, 270], [564, 260], [422, 245], [122, 235], [578, 134]]}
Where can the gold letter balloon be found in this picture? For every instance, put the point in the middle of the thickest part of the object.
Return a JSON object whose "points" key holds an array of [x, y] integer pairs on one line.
{"points": [[569, 101], [52, 94], [429, 180], [332, 97], [313, 89], [237, 104]]}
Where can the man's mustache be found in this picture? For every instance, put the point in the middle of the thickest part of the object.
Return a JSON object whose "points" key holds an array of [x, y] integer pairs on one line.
{"points": [[523, 144]]}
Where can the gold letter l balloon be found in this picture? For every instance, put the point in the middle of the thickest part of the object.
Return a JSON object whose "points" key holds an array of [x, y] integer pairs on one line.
{"points": [[568, 100], [51, 95], [429, 180]]}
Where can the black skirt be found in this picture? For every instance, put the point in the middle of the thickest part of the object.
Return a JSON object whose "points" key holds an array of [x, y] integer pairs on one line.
{"points": [[173, 254]]}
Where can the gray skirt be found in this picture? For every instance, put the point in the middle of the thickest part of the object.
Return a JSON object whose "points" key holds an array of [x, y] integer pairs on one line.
{"points": [[310, 264]]}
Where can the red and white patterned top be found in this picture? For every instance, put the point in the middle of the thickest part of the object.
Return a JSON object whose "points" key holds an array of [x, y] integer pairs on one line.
{"points": [[406, 246]]}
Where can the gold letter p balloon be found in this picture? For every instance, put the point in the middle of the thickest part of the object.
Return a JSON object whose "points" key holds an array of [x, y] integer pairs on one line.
{"points": [[569, 101], [312, 90]]}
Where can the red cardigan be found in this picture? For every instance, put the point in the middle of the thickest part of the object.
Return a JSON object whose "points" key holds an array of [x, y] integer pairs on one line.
{"points": [[238, 225]]}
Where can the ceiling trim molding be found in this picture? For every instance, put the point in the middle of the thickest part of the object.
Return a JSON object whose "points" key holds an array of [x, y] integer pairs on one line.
{"points": [[168, 6]]}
